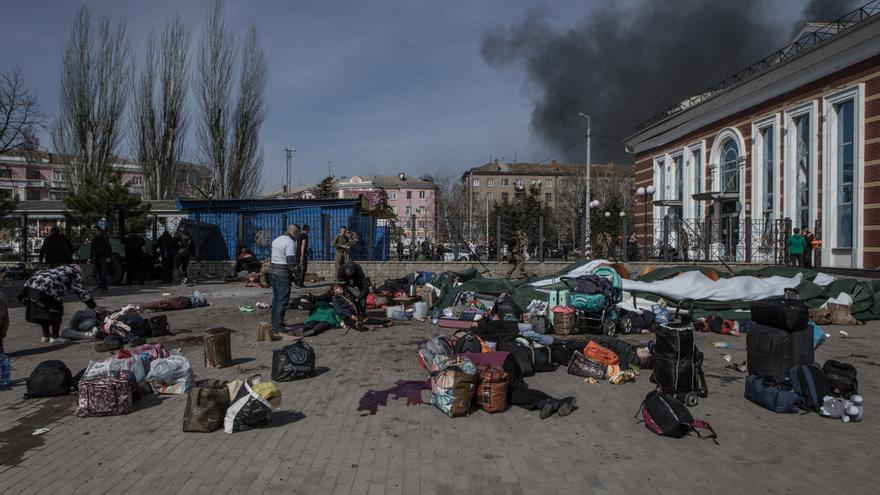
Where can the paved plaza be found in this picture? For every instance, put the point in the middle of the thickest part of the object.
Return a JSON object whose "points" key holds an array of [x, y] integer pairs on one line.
{"points": [[319, 442]]}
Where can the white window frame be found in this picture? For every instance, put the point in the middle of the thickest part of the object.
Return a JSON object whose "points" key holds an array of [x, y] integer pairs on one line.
{"points": [[715, 161], [833, 256], [548, 182], [673, 187], [758, 126], [421, 194], [392, 195], [505, 182], [490, 182], [692, 206], [811, 109], [475, 182], [660, 181]]}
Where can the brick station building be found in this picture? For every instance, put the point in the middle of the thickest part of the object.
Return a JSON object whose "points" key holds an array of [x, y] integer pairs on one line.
{"points": [[792, 141]]}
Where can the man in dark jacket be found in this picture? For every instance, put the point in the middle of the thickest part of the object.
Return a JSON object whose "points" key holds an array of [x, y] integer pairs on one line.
{"points": [[184, 251], [56, 249], [134, 258], [100, 256], [165, 247]]}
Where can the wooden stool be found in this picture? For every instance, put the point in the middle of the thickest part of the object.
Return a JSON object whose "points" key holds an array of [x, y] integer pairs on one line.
{"points": [[218, 350], [264, 332]]}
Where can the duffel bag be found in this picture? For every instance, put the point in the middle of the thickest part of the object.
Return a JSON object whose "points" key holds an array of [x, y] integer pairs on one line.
{"points": [[206, 406], [293, 362], [667, 416], [809, 381], [159, 326], [583, 366], [495, 330], [767, 393], [785, 314], [48, 379], [492, 390], [104, 397], [842, 378]]}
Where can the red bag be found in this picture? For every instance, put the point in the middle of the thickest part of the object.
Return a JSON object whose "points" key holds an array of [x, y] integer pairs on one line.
{"points": [[600, 354]]}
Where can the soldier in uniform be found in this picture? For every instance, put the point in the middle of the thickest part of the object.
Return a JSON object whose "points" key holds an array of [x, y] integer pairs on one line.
{"points": [[517, 256]]}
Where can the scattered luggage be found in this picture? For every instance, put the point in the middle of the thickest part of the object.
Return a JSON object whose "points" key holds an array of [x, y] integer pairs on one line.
{"points": [[539, 355], [809, 381], [505, 308], [583, 366], [842, 378], [600, 354], [293, 362], [785, 314], [521, 353], [171, 375], [492, 390], [159, 326], [206, 406], [49, 378], [770, 394], [105, 396], [252, 405], [467, 342], [665, 415], [677, 363], [452, 388], [769, 352], [434, 352]]}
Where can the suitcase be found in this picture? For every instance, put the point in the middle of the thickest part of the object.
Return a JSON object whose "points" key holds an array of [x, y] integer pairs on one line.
{"points": [[674, 367], [802, 349], [769, 352], [785, 314]]}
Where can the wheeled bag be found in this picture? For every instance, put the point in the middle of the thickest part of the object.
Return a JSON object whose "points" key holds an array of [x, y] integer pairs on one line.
{"points": [[785, 314], [769, 352], [673, 358], [293, 362]]}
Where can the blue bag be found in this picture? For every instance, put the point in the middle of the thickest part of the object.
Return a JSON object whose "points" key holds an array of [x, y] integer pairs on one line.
{"points": [[767, 393]]}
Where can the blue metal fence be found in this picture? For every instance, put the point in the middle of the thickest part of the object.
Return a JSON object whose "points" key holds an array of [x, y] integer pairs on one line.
{"points": [[255, 223]]}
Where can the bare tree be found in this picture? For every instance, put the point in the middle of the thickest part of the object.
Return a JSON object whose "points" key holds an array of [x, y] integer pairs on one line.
{"points": [[95, 84], [160, 120], [246, 162], [19, 113], [213, 89]]}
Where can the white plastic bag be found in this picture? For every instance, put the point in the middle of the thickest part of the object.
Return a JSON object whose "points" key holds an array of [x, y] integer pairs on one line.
{"points": [[171, 375], [107, 367]]}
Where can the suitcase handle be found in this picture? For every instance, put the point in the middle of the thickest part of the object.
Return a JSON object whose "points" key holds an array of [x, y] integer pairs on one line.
{"points": [[687, 302]]}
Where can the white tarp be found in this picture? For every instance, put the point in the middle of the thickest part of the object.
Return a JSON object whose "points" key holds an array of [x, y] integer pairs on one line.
{"points": [[695, 285], [584, 269]]}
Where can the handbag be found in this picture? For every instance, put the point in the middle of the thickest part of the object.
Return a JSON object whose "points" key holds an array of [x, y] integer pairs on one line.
{"points": [[583, 366]]}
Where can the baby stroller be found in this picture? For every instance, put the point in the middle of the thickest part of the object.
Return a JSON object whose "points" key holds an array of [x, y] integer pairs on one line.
{"points": [[595, 299], [677, 363]]}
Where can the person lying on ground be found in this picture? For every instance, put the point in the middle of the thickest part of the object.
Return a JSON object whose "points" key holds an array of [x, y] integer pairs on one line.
{"points": [[518, 392], [322, 317], [350, 313], [42, 298], [628, 354], [194, 300]]}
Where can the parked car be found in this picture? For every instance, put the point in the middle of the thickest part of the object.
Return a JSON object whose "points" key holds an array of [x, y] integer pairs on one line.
{"points": [[457, 252]]}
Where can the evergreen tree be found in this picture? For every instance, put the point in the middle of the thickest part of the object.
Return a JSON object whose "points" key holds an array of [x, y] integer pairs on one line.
{"points": [[324, 189], [110, 200]]}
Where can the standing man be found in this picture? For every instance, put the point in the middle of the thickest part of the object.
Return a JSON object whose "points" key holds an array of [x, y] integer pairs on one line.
{"points": [[809, 239], [134, 258], [184, 251], [399, 249], [165, 247], [303, 250], [56, 249], [340, 244], [796, 245], [100, 256], [517, 254], [283, 263]]}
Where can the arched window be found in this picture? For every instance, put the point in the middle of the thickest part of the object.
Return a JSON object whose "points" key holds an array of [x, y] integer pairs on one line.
{"points": [[730, 166]]}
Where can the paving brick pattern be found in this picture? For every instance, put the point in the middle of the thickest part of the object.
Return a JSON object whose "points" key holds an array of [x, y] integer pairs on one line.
{"points": [[319, 443]]}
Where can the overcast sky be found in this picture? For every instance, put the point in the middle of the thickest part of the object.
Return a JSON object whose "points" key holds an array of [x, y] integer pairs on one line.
{"points": [[372, 86]]}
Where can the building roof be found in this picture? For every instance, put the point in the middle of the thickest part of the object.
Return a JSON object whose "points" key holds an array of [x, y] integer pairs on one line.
{"points": [[262, 204], [56, 207], [812, 35], [400, 181], [497, 167]]}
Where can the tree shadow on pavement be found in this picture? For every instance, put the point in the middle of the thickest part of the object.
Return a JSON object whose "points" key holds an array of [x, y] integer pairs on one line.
{"points": [[38, 350], [149, 400]]}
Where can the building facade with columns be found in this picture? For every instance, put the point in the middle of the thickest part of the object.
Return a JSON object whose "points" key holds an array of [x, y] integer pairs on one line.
{"points": [[793, 141]]}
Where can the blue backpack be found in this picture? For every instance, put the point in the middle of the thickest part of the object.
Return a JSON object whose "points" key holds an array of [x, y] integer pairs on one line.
{"points": [[777, 397], [810, 382]]}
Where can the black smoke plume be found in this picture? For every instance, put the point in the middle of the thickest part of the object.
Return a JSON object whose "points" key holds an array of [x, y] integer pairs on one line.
{"points": [[623, 63]]}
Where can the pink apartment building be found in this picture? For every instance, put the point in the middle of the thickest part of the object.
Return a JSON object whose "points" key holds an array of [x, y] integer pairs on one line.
{"points": [[410, 198]]}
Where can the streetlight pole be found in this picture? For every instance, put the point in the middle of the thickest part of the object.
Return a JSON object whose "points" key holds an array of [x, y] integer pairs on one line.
{"points": [[645, 194], [587, 194], [288, 154]]}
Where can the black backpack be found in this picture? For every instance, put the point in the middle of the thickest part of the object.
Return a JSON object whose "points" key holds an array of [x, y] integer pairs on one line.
{"points": [[841, 377], [665, 415], [293, 362], [139, 326], [809, 381], [48, 379], [466, 342], [506, 308]]}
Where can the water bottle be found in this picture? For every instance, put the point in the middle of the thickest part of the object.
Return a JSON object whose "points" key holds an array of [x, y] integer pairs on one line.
{"points": [[5, 371]]}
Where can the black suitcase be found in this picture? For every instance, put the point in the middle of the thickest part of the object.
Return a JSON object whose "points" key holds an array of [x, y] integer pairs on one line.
{"points": [[674, 361], [769, 352], [784, 314], [802, 347]]}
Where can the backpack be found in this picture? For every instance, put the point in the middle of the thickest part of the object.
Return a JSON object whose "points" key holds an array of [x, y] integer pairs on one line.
{"points": [[809, 381], [667, 416], [841, 377], [467, 342], [767, 393], [48, 379], [138, 325], [506, 308], [159, 326], [492, 390], [293, 362]]}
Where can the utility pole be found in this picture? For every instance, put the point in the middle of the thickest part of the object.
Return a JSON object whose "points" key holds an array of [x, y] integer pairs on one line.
{"points": [[586, 244], [288, 154]]}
